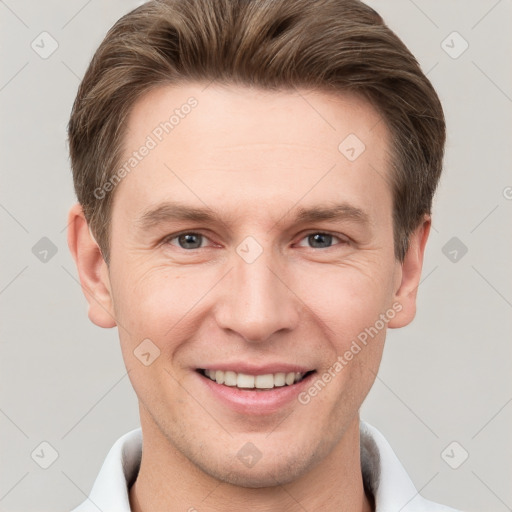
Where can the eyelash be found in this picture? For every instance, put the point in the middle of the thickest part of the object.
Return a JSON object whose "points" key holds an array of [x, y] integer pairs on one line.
{"points": [[343, 240]]}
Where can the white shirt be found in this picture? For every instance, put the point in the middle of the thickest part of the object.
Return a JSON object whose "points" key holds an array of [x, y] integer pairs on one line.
{"points": [[382, 472]]}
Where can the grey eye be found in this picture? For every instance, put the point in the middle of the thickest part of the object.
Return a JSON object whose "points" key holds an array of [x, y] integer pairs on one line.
{"points": [[190, 240], [320, 240]]}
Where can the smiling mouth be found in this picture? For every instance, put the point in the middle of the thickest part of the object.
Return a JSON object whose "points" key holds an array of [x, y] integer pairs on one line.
{"points": [[245, 381]]}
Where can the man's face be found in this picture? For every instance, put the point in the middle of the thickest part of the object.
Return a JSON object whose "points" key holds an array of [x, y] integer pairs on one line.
{"points": [[248, 240]]}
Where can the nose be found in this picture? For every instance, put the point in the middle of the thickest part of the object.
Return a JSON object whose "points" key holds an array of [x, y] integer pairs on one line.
{"points": [[257, 301]]}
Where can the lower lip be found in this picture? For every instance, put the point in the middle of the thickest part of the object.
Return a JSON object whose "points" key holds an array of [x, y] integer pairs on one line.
{"points": [[252, 402]]}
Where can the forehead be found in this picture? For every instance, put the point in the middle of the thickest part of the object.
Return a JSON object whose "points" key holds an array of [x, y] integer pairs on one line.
{"points": [[212, 111], [205, 142]]}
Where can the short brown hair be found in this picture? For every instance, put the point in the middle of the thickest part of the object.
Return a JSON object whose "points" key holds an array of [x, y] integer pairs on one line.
{"points": [[329, 45]]}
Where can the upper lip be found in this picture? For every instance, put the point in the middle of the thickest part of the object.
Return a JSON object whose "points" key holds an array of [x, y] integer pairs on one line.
{"points": [[252, 369]]}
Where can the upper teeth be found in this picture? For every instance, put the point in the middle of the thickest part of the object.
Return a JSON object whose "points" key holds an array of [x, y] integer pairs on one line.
{"points": [[242, 380]]}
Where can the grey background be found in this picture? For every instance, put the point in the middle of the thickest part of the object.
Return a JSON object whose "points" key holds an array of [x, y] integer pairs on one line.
{"points": [[444, 378]]}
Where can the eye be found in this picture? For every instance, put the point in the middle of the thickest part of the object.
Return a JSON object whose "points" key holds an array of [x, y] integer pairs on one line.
{"points": [[321, 240], [188, 240]]}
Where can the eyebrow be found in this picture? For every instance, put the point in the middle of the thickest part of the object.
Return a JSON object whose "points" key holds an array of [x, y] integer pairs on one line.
{"points": [[342, 211], [175, 211]]}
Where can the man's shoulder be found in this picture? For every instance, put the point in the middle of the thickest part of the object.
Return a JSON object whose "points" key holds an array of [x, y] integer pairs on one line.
{"points": [[117, 474], [383, 474], [386, 478]]}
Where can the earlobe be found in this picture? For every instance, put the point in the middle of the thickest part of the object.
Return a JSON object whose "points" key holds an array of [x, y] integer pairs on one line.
{"points": [[92, 269], [411, 269]]}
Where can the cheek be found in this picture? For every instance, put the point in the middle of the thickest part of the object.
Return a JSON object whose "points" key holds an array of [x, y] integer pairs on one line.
{"points": [[149, 303], [155, 309], [158, 303], [345, 299]]}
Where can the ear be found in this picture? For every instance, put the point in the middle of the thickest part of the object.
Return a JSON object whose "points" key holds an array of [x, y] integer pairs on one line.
{"points": [[92, 269], [409, 275]]}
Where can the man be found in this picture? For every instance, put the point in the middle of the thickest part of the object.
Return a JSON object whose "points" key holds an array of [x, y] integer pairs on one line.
{"points": [[254, 180]]}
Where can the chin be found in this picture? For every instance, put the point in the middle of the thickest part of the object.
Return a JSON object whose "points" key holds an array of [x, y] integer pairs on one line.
{"points": [[263, 477], [272, 470]]}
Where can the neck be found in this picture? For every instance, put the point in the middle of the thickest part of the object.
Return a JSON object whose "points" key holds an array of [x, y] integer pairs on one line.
{"points": [[169, 481]]}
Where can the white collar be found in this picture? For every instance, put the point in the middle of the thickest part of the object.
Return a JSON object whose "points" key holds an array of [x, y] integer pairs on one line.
{"points": [[382, 471]]}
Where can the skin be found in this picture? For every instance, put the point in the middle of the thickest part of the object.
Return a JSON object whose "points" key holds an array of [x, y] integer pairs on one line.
{"points": [[254, 158]]}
